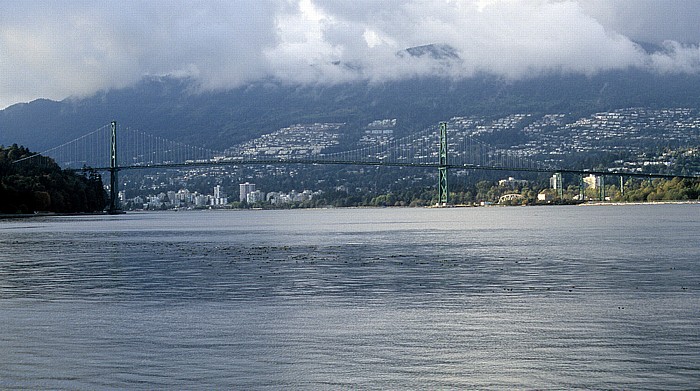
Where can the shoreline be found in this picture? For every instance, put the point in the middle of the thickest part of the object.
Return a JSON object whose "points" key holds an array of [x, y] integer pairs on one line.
{"points": [[49, 214], [591, 203], [609, 203]]}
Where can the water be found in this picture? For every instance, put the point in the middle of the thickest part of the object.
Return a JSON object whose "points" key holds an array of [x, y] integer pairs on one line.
{"points": [[482, 298]]}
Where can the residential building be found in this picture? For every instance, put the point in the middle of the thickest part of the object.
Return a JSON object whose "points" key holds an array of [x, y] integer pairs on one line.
{"points": [[255, 196], [512, 182], [219, 196], [555, 182], [246, 188], [592, 181]]}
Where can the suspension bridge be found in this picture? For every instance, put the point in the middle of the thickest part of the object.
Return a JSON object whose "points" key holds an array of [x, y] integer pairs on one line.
{"points": [[112, 149]]}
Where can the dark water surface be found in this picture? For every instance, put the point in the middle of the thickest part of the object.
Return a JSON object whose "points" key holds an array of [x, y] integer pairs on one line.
{"points": [[484, 298]]}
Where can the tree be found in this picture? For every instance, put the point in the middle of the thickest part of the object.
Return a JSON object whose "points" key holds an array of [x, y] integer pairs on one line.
{"points": [[39, 184]]}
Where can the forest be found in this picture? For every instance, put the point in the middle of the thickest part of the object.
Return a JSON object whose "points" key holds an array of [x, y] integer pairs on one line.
{"points": [[38, 185]]}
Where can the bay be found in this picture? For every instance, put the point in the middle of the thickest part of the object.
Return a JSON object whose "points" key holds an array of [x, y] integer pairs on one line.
{"points": [[476, 298]]}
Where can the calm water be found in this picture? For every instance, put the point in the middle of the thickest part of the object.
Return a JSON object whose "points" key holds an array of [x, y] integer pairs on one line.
{"points": [[482, 298]]}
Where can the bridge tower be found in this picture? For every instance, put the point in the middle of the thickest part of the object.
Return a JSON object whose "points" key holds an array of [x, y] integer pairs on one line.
{"points": [[113, 170], [622, 185], [443, 197], [559, 185]]}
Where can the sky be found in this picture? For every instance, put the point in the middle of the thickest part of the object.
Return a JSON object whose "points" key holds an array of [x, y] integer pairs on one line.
{"points": [[73, 48]]}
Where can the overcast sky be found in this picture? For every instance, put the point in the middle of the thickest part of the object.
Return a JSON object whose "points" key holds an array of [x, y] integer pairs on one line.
{"points": [[55, 49]]}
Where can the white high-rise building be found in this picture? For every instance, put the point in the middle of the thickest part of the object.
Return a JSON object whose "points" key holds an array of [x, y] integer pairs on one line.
{"points": [[555, 182], [219, 196], [246, 188], [255, 196], [172, 198]]}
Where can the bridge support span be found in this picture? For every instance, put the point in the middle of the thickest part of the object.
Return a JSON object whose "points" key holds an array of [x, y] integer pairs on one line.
{"points": [[150, 152], [114, 206], [443, 191]]}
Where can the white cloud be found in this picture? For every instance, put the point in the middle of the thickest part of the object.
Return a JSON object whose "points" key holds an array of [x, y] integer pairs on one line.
{"points": [[58, 48], [653, 21], [54, 49], [676, 58]]}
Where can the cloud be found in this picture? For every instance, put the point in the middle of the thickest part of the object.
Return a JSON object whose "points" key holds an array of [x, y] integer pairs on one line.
{"points": [[676, 58], [653, 21], [56, 49]]}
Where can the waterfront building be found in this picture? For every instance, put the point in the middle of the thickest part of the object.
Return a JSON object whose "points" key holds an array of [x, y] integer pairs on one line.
{"points": [[139, 202], [219, 196], [255, 196], [245, 189], [555, 182], [201, 200], [184, 196], [173, 200], [512, 182], [273, 197], [592, 181]]}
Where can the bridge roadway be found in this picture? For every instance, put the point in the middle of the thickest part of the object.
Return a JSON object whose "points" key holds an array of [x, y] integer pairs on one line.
{"points": [[246, 162]]}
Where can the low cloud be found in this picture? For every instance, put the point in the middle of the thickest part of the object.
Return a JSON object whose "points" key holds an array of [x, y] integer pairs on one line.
{"points": [[56, 49]]}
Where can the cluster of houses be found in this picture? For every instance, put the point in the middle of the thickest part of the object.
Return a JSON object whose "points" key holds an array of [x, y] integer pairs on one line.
{"points": [[185, 199]]}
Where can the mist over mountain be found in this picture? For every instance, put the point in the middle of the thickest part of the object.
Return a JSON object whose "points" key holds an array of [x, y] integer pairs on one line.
{"points": [[174, 108]]}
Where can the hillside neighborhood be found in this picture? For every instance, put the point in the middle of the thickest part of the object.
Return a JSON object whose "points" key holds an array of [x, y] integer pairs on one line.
{"points": [[639, 139]]}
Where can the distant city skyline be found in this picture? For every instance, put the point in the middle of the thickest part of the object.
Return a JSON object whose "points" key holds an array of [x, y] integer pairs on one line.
{"points": [[58, 49]]}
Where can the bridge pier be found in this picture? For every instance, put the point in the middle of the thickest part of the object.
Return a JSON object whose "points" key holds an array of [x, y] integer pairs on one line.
{"points": [[558, 183], [443, 191], [114, 207], [622, 185]]}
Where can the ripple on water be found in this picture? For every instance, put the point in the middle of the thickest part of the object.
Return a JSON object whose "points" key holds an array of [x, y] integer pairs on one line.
{"points": [[434, 303]]}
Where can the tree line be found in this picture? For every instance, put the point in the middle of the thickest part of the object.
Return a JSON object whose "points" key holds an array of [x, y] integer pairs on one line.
{"points": [[40, 185], [635, 190]]}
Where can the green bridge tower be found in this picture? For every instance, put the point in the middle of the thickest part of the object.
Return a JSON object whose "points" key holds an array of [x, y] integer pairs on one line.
{"points": [[443, 193], [113, 169]]}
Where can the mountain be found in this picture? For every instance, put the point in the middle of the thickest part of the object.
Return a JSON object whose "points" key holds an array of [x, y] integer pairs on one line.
{"points": [[434, 51], [174, 108]]}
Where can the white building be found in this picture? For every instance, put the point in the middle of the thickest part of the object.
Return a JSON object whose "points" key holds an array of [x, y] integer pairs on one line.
{"points": [[173, 200], [555, 182], [219, 196], [246, 188], [201, 200], [592, 181], [255, 196], [512, 182], [184, 196], [273, 197]]}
